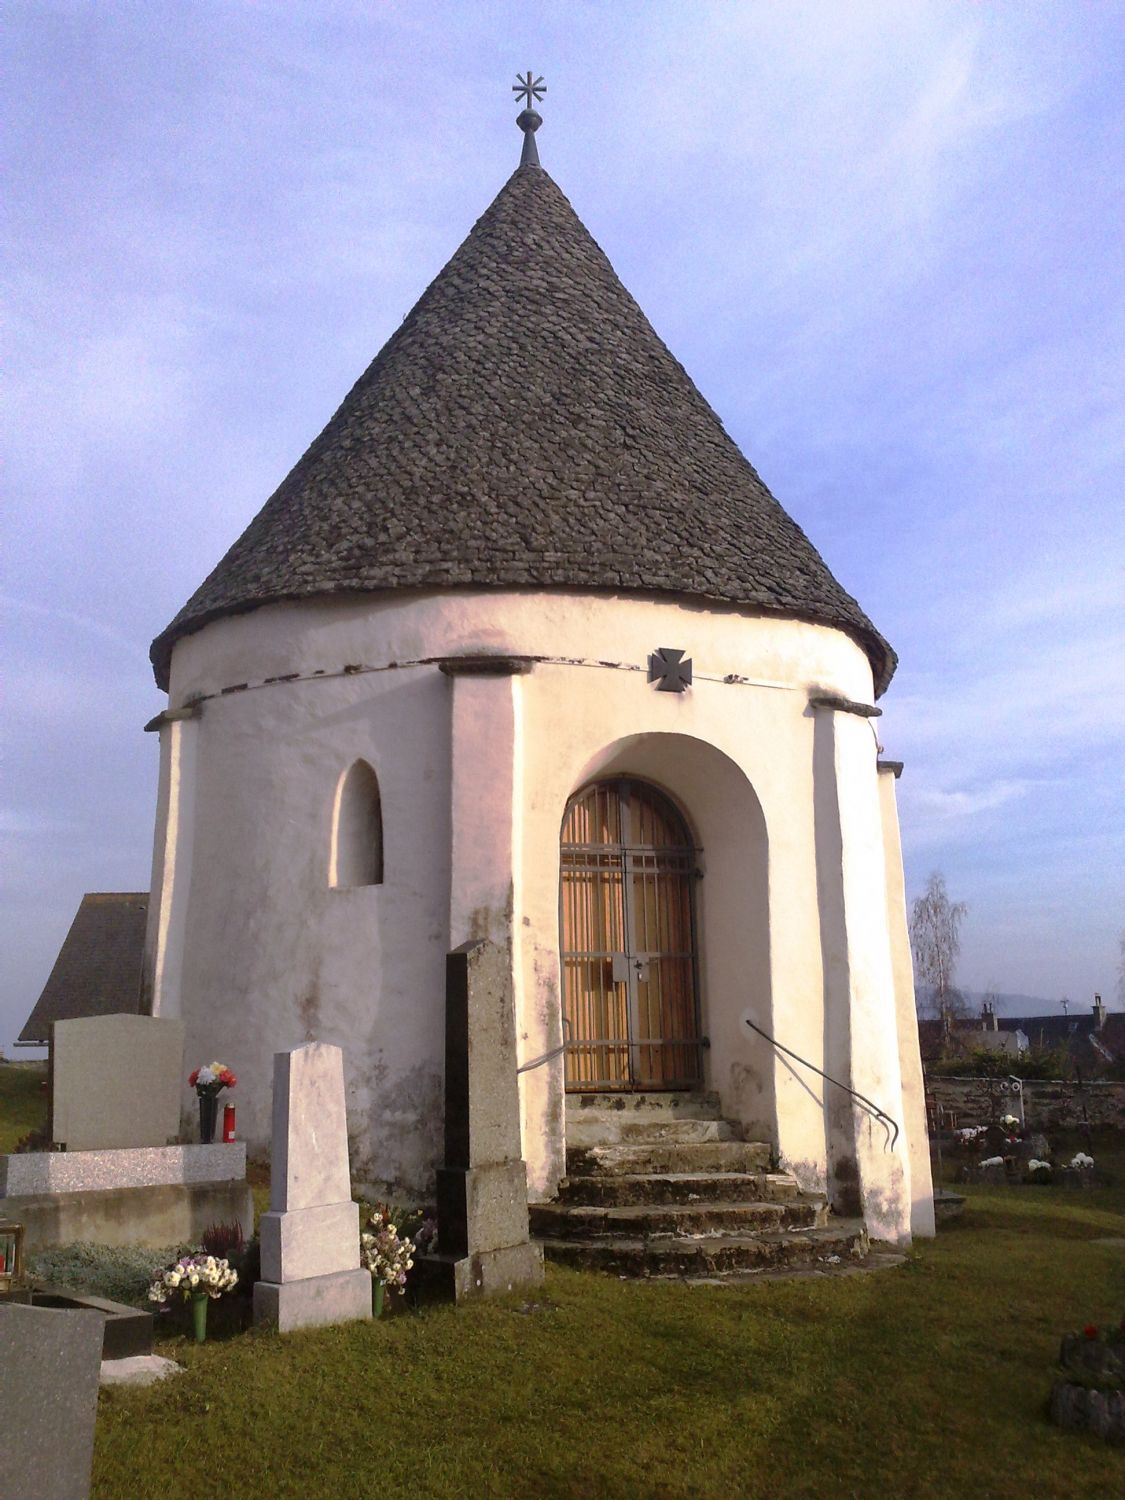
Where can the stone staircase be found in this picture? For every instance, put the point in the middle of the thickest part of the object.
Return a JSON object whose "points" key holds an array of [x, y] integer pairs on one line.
{"points": [[661, 1185]]}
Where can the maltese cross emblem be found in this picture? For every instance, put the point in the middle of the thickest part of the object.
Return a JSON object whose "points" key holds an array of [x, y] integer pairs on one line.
{"points": [[670, 670]]}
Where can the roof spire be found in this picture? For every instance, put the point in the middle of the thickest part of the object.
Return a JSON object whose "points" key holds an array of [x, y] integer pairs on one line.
{"points": [[530, 89]]}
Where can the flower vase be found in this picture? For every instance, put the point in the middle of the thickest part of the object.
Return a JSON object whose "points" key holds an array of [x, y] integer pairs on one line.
{"points": [[378, 1295], [199, 1301], [208, 1113]]}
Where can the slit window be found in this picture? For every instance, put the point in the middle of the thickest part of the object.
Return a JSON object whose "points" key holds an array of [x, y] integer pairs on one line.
{"points": [[356, 856]]}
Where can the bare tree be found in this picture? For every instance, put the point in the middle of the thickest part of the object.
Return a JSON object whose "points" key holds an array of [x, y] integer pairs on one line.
{"points": [[935, 937]]}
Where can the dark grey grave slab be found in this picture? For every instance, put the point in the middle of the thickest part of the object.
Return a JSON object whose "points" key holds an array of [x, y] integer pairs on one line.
{"points": [[128, 1330], [482, 1186], [51, 1358]]}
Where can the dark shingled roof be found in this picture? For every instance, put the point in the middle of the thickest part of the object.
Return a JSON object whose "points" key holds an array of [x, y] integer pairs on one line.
{"points": [[98, 970], [526, 426]]}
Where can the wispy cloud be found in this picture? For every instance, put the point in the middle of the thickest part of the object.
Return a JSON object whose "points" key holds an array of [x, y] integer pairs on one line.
{"points": [[884, 238], [28, 609]]}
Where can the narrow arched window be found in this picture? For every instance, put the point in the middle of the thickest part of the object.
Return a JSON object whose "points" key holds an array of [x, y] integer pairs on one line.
{"points": [[356, 856]]}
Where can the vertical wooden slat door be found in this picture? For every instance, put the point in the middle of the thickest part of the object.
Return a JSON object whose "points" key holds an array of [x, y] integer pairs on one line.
{"points": [[627, 934]]}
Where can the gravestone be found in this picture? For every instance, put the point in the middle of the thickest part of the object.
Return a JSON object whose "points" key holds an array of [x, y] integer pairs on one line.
{"points": [[311, 1272], [116, 1081], [50, 1360], [485, 1246]]}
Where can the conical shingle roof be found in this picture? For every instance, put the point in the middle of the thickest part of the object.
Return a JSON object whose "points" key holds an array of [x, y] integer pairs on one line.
{"points": [[525, 426]]}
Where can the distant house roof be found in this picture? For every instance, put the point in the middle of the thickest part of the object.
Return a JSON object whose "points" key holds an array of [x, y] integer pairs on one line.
{"points": [[526, 427], [1092, 1048], [1051, 1031], [1000, 1041], [98, 970]]}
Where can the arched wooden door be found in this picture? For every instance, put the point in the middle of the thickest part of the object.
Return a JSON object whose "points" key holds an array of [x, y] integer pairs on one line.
{"points": [[627, 924]]}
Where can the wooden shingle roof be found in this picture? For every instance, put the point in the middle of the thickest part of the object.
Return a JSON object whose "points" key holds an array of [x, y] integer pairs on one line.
{"points": [[526, 426], [98, 970]]}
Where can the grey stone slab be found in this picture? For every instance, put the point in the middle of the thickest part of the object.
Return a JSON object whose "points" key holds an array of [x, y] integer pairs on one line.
{"points": [[484, 1208], [309, 1242], [50, 1360], [127, 1331], [342, 1297], [138, 1369], [487, 1273], [482, 1123], [482, 1187], [310, 1129], [156, 1216], [92, 1108], [95, 1171]]}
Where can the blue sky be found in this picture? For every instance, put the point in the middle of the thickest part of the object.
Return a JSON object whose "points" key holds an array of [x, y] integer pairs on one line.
{"points": [[884, 239]]}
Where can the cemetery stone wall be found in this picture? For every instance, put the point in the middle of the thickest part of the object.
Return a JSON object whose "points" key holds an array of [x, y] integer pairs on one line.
{"points": [[1049, 1104]]}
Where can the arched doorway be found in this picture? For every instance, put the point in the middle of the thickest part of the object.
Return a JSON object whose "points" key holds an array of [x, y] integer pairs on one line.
{"points": [[627, 940]]}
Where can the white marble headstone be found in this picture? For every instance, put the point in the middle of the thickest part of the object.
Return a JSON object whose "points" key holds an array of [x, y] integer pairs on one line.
{"points": [[311, 1271], [310, 1129]]}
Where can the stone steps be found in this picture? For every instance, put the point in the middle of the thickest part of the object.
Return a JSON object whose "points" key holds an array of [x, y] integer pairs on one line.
{"points": [[672, 1105], [559, 1221], [712, 1255], [663, 1156], [662, 1185], [594, 1131], [678, 1187]]}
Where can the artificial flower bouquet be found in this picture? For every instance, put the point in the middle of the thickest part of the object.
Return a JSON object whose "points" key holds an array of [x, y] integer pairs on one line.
{"points": [[386, 1254], [211, 1079], [191, 1275]]}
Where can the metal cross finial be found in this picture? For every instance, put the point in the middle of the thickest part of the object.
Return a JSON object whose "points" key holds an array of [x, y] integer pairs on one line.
{"points": [[529, 88]]}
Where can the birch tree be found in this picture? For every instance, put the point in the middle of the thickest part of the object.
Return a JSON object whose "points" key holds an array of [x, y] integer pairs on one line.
{"points": [[935, 939]]}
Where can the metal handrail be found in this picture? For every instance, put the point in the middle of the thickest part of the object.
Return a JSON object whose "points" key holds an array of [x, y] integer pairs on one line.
{"points": [[863, 1099], [546, 1057]]}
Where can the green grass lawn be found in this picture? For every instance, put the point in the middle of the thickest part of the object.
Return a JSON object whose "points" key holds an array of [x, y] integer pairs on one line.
{"points": [[23, 1102], [926, 1380], [929, 1380]]}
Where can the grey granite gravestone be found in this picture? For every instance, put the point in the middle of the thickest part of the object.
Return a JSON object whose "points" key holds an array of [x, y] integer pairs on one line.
{"points": [[116, 1081], [310, 1237], [483, 1238], [50, 1360]]}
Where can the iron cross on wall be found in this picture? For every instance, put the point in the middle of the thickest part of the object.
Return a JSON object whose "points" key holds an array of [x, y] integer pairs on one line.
{"points": [[670, 670]]}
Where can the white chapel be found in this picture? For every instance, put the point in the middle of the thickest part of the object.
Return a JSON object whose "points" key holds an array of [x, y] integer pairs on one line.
{"points": [[523, 649]]}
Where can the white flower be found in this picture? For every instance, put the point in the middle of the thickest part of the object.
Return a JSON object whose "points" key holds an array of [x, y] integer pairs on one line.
{"points": [[1081, 1160], [993, 1161], [1034, 1165]]}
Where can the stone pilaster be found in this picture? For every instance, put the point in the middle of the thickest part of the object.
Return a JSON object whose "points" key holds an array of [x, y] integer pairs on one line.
{"points": [[861, 1025]]}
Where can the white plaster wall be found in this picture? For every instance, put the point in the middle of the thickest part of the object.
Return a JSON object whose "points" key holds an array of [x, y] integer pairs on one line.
{"points": [[869, 1169], [171, 868], [922, 1220], [273, 957]]}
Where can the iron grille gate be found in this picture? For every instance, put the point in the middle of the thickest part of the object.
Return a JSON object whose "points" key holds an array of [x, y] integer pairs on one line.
{"points": [[627, 924]]}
